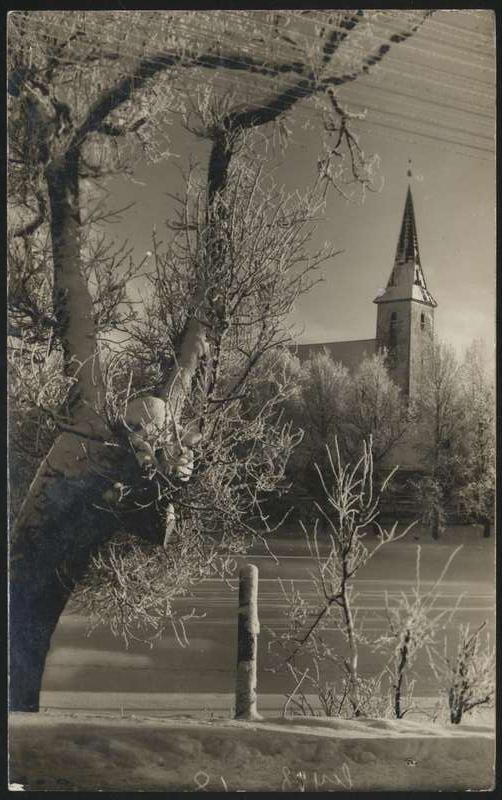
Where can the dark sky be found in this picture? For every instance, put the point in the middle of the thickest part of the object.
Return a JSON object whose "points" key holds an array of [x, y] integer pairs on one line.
{"points": [[433, 102]]}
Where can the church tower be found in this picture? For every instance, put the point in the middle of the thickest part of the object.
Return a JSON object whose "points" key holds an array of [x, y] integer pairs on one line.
{"points": [[405, 316]]}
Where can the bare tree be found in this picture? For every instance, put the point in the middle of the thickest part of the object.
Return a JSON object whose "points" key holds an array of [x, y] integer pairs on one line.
{"points": [[213, 454], [348, 407], [376, 408], [350, 507], [83, 90], [319, 688], [468, 676], [475, 449], [414, 623], [440, 422], [324, 388], [456, 409]]}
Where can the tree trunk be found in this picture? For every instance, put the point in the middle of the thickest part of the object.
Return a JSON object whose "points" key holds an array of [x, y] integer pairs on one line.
{"points": [[73, 305], [455, 710], [37, 597], [62, 519], [59, 524], [400, 676], [58, 527], [486, 528], [351, 663], [194, 346], [177, 388]]}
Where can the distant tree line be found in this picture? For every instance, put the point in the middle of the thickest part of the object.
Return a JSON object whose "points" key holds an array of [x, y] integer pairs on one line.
{"points": [[450, 424]]}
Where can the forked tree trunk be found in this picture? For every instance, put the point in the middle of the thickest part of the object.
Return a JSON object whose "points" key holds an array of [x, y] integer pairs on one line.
{"points": [[58, 524], [62, 520]]}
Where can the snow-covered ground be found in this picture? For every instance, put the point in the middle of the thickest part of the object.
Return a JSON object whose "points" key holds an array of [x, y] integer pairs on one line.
{"points": [[99, 664], [75, 751], [206, 705]]}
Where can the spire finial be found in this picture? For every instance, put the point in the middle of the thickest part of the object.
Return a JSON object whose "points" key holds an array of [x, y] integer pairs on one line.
{"points": [[409, 172]]}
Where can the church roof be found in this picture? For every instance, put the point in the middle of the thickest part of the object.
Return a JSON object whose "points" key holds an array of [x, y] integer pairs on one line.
{"points": [[349, 353], [407, 280], [407, 246]]}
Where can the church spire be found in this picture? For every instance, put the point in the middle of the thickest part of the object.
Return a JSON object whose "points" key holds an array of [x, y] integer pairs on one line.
{"points": [[407, 280], [405, 316], [407, 246]]}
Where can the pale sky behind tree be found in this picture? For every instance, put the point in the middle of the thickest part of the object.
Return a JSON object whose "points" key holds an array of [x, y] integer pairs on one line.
{"points": [[439, 86]]}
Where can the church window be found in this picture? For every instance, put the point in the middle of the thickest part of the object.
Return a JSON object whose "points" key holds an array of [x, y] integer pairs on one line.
{"points": [[422, 322]]}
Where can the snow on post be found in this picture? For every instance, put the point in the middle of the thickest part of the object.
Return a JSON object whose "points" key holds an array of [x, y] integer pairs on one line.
{"points": [[247, 633]]}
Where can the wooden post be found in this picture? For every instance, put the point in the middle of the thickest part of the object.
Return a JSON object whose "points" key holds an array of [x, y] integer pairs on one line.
{"points": [[247, 632]]}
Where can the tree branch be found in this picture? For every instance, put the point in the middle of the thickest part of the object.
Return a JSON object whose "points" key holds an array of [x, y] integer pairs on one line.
{"points": [[372, 59], [149, 66], [120, 130], [30, 227]]}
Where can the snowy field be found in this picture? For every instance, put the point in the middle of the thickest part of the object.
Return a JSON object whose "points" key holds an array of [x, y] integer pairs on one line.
{"points": [[74, 752], [207, 705], [99, 664]]}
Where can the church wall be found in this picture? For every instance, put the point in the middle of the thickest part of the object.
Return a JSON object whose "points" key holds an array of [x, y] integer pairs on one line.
{"points": [[349, 353], [398, 350], [414, 334], [422, 333]]}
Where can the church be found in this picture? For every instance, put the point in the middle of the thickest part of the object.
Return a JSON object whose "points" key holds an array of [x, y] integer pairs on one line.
{"points": [[405, 315], [404, 326]]}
